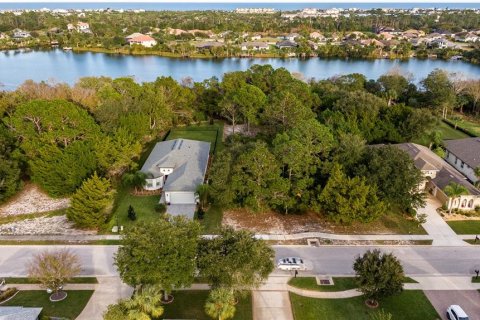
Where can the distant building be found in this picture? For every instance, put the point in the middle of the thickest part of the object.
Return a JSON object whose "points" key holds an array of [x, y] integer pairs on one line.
{"points": [[21, 34], [286, 44], [317, 36], [141, 39], [79, 27], [254, 45], [208, 45], [255, 10]]}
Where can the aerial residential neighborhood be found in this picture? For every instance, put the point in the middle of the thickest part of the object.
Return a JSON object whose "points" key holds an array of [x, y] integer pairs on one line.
{"points": [[260, 161]]}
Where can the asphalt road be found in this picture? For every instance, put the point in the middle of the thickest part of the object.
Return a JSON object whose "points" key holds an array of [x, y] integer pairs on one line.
{"points": [[331, 260]]}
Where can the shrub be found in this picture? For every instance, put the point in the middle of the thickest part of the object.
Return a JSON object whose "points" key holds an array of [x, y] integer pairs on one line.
{"points": [[200, 213], [477, 209], [132, 215], [160, 208], [411, 212], [4, 295]]}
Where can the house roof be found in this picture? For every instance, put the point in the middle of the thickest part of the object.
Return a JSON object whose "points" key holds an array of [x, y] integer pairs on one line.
{"points": [[140, 38], [467, 150], [134, 35], [426, 159], [19, 313], [286, 43], [255, 44], [188, 158]]}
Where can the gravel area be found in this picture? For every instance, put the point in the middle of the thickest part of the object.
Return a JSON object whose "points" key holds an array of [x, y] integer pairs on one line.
{"points": [[42, 225], [32, 200]]}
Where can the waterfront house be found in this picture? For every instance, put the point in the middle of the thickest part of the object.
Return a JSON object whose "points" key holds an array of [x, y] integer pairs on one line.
{"points": [[21, 34], [177, 167], [464, 155], [317, 36], [254, 45], [141, 39], [286, 44], [83, 27], [207, 45]]}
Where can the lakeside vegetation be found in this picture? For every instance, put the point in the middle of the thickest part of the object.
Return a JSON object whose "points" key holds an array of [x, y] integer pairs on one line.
{"points": [[213, 34], [313, 137]]}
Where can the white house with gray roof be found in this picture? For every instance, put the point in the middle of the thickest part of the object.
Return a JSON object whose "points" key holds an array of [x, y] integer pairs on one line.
{"points": [[464, 155], [19, 313], [177, 167]]}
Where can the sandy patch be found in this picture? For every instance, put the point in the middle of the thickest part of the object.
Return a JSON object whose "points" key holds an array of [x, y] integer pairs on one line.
{"points": [[240, 129], [31, 200], [43, 225]]}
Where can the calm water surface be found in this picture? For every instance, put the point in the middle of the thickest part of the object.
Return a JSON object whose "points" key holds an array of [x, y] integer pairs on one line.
{"points": [[60, 66]]}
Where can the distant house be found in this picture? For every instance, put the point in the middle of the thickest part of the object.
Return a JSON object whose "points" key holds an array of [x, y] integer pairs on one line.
{"points": [[386, 35], [292, 36], [464, 155], [256, 37], [286, 44], [20, 313], [21, 34], [79, 27], [4, 36], [372, 42], [141, 39], [177, 167], [467, 37], [438, 175], [208, 45], [254, 45], [317, 36]]}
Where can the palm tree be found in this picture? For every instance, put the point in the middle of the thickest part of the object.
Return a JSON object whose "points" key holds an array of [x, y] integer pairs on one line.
{"points": [[220, 304], [455, 190], [145, 305], [134, 179], [202, 192]]}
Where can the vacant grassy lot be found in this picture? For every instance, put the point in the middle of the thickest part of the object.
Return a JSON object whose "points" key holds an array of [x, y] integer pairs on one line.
{"points": [[69, 308], [30, 280], [209, 133], [465, 226], [411, 305], [212, 220], [190, 305]]}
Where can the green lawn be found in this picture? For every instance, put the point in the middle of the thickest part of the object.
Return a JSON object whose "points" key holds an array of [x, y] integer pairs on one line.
{"points": [[209, 133], [446, 131], [144, 207], [70, 308], [470, 124], [30, 280], [475, 279], [212, 220], [189, 304], [339, 283], [411, 305], [310, 283], [465, 226]]}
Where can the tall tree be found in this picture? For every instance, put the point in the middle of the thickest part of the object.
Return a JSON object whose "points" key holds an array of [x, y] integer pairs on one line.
{"points": [[347, 200], [439, 92], [378, 275], [248, 260], [160, 252], [91, 203]]}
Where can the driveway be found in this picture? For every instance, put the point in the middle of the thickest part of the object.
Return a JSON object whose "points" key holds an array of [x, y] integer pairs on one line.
{"points": [[436, 227], [468, 300], [271, 305]]}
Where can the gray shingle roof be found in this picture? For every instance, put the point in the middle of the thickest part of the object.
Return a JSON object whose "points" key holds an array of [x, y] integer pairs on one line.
{"points": [[19, 313], [188, 158], [467, 150], [426, 159]]}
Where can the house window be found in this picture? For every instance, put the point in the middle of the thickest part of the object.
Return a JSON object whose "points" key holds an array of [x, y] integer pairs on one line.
{"points": [[470, 203], [464, 203], [461, 164]]}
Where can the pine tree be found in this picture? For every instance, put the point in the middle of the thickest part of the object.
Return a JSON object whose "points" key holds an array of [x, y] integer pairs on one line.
{"points": [[132, 215], [91, 203]]}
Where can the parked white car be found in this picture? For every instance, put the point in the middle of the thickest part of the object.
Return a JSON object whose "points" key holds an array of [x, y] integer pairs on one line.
{"points": [[291, 263], [455, 312]]}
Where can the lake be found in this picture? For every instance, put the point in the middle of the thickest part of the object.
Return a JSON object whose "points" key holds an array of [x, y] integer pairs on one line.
{"points": [[60, 66]]}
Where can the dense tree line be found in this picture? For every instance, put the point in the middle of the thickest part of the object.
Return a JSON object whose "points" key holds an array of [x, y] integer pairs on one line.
{"points": [[307, 145]]}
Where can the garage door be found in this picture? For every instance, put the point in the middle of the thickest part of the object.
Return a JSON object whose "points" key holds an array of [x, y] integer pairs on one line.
{"points": [[182, 197]]}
